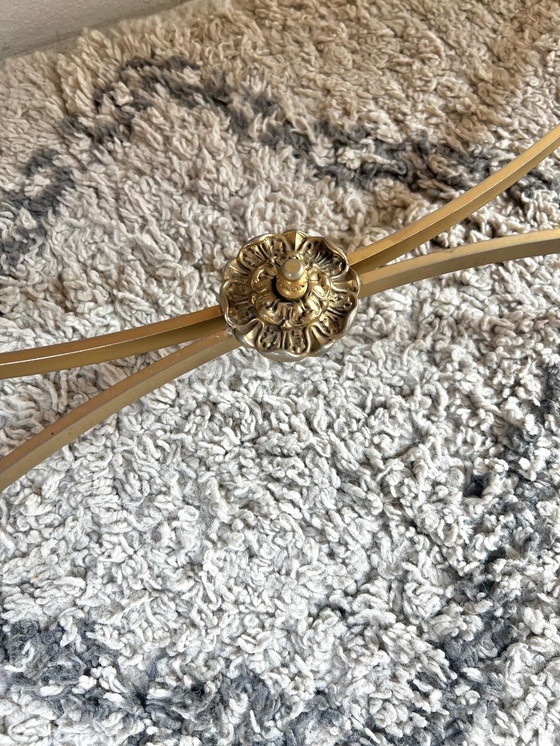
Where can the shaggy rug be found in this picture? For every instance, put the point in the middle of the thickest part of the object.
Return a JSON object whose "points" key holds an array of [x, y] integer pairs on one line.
{"points": [[356, 550]]}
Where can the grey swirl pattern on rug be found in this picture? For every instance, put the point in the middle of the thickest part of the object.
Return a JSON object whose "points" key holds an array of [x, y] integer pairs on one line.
{"points": [[356, 550]]}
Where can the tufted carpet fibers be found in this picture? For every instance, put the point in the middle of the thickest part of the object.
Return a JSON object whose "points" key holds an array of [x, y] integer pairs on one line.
{"points": [[356, 550]]}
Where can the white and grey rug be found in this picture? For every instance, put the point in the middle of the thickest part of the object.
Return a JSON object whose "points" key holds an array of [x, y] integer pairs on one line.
{"points": [[357, 550]]}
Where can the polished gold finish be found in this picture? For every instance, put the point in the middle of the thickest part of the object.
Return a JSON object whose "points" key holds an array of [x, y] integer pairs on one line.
{"points": [[112, 346], [501, 249], [289, 295]]}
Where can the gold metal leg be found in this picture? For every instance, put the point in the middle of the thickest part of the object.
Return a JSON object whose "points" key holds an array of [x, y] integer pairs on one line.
{"points": [[413, 235], [81, 419], [112, 346], [463, 257]]}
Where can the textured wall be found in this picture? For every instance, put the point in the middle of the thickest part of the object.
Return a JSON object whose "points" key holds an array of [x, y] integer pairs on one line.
{"points": [[30, 24]]}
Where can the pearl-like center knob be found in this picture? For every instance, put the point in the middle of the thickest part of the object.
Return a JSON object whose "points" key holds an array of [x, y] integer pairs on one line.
{"points": [[292, 269], [291, 281]]}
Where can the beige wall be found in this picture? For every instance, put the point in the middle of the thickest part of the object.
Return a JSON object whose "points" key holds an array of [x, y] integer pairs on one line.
{"points": [[26, 25]]}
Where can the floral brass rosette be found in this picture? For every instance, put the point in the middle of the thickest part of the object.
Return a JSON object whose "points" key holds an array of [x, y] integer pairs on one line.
{"points": [[256, 306]]}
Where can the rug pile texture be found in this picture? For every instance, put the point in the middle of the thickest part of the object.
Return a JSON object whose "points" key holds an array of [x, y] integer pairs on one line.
{"points": [[356, 550]]}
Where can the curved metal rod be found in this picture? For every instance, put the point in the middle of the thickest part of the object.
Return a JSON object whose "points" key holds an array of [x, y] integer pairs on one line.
{"points": [[39, 447], [367, 261], [193, 326], [411, 236], [81, 419], [503, 249], [112, 346]]}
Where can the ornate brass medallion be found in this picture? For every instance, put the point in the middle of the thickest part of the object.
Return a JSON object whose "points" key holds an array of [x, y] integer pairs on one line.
{"points": [[289, 295]]}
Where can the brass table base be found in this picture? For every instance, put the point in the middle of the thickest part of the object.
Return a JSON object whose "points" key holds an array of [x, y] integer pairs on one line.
{"points": [[287, 295]]}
